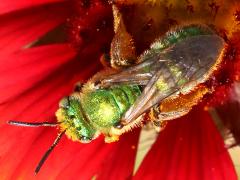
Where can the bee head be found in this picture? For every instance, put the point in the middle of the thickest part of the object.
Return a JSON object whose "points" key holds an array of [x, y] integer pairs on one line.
{"points": [[72, 119]]}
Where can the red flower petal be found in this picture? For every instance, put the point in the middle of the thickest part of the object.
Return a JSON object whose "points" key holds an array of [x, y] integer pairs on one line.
{"points": [[105, 161], [8, 6], [70, 160], [22, 147], [119, 164], [62, 159], [189, 148], [21, 28], [25, 69]]}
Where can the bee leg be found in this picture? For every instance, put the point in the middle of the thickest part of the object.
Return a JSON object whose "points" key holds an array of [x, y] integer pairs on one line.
{"points": [[122, 52], [159, 125], [153, 116], [165, 116], [161, 119], [140, 79], [136, 74]]}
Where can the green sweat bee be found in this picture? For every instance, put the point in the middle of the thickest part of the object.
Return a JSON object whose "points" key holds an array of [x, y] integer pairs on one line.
{"points": [[113, 103]]}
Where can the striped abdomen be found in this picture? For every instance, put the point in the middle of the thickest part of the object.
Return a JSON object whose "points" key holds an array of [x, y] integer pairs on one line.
{"points": [[103, 108]]}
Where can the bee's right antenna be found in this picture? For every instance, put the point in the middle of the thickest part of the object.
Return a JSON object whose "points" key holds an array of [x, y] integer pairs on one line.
{"points": [[36, 124]]}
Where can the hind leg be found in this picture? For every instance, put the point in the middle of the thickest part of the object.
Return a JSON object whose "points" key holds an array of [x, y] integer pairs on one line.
{"points": [[122, 52]]}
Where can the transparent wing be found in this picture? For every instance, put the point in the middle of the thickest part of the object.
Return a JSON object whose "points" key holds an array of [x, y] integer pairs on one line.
{"points": [[139, 74], [188, 62]]}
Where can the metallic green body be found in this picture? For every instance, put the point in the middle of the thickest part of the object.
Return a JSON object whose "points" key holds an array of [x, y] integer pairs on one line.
{"points": [[103, 108], [88, 113], [83, 115]]}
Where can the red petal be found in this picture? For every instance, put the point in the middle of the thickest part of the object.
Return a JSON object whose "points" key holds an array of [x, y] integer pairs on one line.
{"points": [[119, 164], [63, 158], [70, 160], [40, 103], [189, 148], [25, 69], [21, 28], [22, 148], [8, 6], [103, 160]]}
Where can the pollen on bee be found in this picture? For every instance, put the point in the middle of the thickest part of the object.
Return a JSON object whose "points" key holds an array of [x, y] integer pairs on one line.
{"points": [[185, 101], [111, 138]]}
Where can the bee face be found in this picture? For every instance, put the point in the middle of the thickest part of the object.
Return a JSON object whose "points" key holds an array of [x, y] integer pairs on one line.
{"points": [[71, 118]]}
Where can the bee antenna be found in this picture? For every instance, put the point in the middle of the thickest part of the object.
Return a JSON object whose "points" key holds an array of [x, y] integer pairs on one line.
{"points": [[47, 153], [36, 124]]}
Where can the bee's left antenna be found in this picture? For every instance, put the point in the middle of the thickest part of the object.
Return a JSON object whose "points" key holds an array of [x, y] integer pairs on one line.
{"points": [[56, 141], [36, 124]]}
